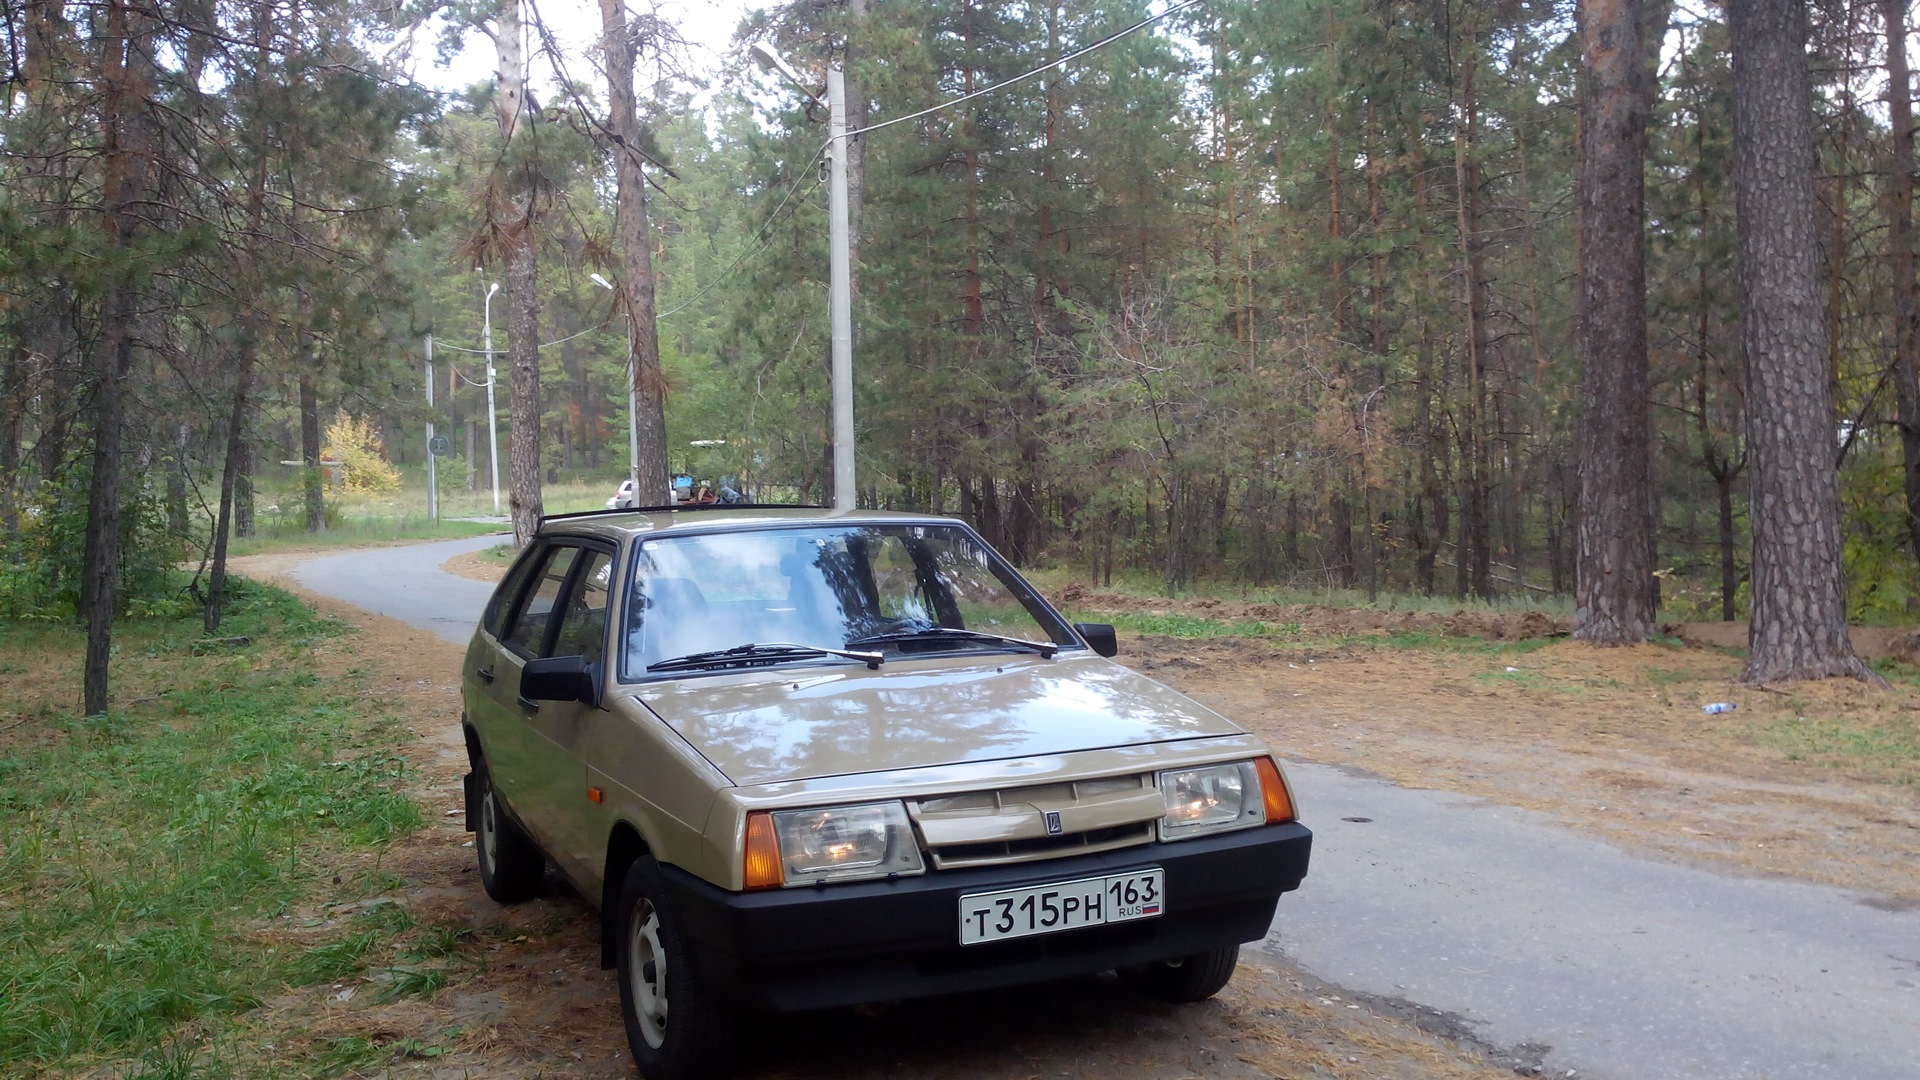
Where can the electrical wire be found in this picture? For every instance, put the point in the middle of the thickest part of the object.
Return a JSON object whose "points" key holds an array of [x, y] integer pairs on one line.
{"points": [[556, 341], [1074, 55]]}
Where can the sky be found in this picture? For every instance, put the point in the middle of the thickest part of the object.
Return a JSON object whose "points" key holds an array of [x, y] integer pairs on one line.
{"points": [[707, 24]]}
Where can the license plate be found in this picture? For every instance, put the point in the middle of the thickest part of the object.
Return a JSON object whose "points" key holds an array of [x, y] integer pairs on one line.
{"points": [[1067, 905]]}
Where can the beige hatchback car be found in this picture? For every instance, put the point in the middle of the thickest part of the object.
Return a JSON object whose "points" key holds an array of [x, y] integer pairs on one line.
{"points": [[803, 759]]}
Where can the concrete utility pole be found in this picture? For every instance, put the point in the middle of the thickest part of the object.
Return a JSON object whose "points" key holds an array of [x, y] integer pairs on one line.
{"points": [[839, 278], [433, 487], [493, 419], [839, 264]]}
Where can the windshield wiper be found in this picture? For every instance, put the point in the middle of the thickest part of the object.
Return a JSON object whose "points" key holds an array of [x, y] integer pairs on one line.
{"points": [[1046, 649], [766, 652]]}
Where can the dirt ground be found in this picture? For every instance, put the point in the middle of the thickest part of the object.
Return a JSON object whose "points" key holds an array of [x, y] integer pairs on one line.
{"points": [[1612, 741]]}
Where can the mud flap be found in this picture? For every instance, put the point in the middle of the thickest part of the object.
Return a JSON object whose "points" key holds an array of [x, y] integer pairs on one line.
{"points": [[470, 786]]}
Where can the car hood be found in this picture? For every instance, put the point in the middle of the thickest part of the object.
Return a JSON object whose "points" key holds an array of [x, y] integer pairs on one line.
{"points": [[800, 723]]}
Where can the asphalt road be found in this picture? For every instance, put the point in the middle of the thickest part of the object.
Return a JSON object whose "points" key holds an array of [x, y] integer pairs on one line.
{"points": [[1499, 923]]}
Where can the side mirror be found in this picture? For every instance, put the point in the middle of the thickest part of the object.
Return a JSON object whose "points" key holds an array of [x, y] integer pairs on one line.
{"points": [[560, 678], [1100, 636]]}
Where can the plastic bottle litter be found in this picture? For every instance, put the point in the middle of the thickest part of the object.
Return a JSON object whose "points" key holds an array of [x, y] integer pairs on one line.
{"points": [[1719, 707]]}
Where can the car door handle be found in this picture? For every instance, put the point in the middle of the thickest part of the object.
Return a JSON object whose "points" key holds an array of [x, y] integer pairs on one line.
{"points": [[529, 704], [486, 674]]}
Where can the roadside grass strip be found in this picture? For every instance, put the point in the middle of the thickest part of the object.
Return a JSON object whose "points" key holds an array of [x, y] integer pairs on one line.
{"points": [[1887, 749], [1290, 634], [149, 856]]}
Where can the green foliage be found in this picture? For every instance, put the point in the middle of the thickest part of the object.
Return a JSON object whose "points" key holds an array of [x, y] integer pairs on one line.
{"points": [[1882, 576], [40, 564]]}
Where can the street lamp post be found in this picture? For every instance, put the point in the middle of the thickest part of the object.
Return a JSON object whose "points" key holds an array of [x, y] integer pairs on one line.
{"points": [[633, 405], [839, 265], [493, 421]]}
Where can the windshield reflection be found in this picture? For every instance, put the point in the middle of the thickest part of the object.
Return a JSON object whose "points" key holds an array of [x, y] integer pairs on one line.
{"points": [[824, 587]]}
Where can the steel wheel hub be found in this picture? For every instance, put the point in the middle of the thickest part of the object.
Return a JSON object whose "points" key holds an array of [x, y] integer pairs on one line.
{"points": [[647, 971]]}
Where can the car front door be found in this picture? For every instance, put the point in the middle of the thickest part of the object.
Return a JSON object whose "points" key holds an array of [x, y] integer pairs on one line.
{"points": [[563, 726], [517, 753]]}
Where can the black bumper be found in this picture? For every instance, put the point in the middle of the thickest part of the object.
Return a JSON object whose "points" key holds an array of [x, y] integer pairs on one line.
{"points": [[790, 949]]}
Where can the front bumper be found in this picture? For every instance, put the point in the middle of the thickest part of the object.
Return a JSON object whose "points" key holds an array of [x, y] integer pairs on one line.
{"points": [[847, 944]]}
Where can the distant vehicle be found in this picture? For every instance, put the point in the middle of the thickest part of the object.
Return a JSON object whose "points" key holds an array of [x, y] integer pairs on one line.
{"points": [[805, 760], [623, 495]]}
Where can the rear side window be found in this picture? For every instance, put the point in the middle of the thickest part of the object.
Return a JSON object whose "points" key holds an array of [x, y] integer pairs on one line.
{"points": [[528, 631], [501, 606], [583, 629]]}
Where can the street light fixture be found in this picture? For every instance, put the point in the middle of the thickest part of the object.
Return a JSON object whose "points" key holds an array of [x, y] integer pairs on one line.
{"points": [[493, 420], [633, 401], [840, 260]]}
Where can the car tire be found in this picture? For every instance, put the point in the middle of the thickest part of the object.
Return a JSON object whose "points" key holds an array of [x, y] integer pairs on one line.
{"points": [[511, 865], [692, 1038], [1188, 979]]}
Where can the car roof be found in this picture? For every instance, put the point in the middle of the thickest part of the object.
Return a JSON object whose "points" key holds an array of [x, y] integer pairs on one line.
{"points": [[619, 524]]}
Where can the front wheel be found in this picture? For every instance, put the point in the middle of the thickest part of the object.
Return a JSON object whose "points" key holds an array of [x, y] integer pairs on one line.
{"points": [[1188, 979], [674, 1027]]}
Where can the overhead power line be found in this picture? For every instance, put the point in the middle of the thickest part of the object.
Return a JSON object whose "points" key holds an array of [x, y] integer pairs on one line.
{"points": [[1023, 76]]}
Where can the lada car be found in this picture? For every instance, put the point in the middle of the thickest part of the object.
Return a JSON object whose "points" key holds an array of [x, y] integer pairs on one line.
{"points": [[803, 759]]}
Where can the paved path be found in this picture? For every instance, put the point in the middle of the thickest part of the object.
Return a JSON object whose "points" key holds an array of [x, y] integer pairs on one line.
{"points": [[406, 583], [1529, 935], [1621, 966]]}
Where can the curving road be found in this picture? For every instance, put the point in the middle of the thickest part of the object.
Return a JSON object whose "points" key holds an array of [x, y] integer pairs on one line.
{"points": [[1497, 924]]}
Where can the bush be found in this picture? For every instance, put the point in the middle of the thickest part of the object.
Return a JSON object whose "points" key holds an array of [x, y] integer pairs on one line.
{"points": [[40, 564], [356, 445]]}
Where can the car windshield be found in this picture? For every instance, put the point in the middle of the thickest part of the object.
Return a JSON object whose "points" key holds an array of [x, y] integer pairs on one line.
{"points": [[900, 589]]}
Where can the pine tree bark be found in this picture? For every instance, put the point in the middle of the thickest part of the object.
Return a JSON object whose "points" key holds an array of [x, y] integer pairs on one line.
{"points": [[1475, 570], [125, 158], [246, 354], [636, 253], [1900, 259], [312, 479], [1613, 546], [514, 213], [1799, 623]]}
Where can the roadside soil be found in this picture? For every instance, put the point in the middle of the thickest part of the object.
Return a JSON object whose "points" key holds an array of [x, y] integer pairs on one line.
{"points": [[524, 995]]}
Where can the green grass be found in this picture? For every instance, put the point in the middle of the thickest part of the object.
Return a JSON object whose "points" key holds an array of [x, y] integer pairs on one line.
{"points": [[146, 856], [1895, 745], [1051, 580], [1190, 627], [359, 531]]}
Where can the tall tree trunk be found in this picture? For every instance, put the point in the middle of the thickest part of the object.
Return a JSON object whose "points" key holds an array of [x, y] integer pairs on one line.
{"points": [[1900, 258], [1475, 555], [1340, 537], [249, 344], [636, 255], [1799, 625], [1613, 556], [124, 71], [515, 213], [312, 482], [856, 93], [13, 411]]}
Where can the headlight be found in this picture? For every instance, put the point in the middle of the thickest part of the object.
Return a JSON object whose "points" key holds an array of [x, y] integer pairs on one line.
{"points": [[839, 843], [1210, 799]]}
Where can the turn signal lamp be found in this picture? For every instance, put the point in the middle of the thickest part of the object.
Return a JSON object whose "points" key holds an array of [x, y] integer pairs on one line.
{"points": [[1273, 791], [762, 859]]}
